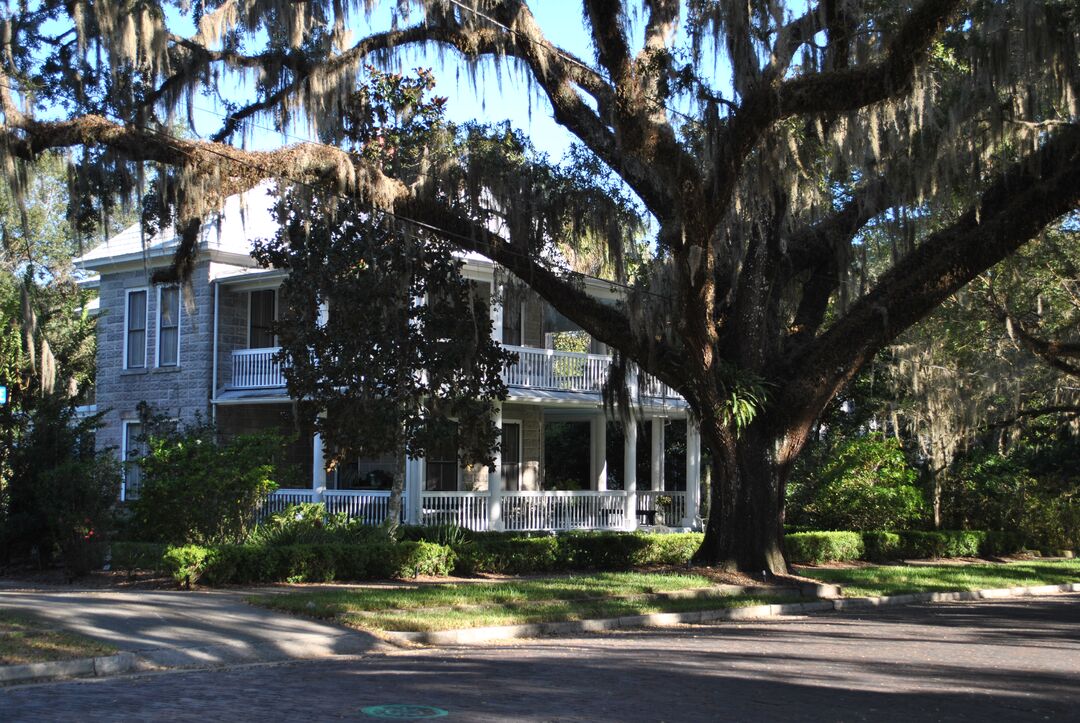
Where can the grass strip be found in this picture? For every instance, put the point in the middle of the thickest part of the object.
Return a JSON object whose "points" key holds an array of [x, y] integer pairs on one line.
{"points": [[331, 603], [25, 640], [422, 620], [446, 607], [901, 579]]}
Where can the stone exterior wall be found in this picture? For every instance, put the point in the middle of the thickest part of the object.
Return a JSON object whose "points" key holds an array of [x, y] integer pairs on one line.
{"points": [[182, 392], [232, 330]]}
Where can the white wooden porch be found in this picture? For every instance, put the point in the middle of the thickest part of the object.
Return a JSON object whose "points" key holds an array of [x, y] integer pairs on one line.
{"points": [[539, 369], [518, 511]]}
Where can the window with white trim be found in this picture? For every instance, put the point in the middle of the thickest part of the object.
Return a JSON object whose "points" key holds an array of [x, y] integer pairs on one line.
{"points": [[262, 312], [168, 326], [135, 330]]}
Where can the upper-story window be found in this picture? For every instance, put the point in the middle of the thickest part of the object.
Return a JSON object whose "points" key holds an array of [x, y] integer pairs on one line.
{"points": [[261, 315], [135, 330], [513, 319], [168, 326]]}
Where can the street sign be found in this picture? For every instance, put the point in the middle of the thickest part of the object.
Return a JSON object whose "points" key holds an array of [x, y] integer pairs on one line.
{"points": [[3, 395]]}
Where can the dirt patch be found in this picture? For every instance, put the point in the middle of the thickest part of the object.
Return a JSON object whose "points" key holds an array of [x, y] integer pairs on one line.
{"points": [[15, 579]]}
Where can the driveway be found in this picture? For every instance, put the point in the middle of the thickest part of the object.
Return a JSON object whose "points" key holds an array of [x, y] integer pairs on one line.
{"points": [[174, 628], [1002, 660]]}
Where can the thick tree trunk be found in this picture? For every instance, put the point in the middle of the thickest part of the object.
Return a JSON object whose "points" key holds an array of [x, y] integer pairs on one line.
{"points": [[745, 527]]}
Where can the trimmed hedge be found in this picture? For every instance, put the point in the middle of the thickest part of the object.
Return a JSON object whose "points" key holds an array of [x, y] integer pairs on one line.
{"points": [[244, 564], [879, 546], [524, 555], [817, 547]]}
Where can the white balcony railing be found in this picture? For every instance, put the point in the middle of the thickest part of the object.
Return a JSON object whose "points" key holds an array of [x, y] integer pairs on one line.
{"points": [[256, 369], [542, 369]]}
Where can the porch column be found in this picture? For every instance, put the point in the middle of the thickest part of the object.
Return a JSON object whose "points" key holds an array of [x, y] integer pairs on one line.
{"points": [[657, 454], [318, 468], [414, 484], [630, 472], [693, 473], [599, 452], [495, 491]]}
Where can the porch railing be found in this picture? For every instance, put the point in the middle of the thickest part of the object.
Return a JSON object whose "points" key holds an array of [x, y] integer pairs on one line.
{"points": [[282, 498], [566, 371], [521, 511], [545, 369], [464, 509], [256, 369], [564, 510], [371, 506], [670, 507], [556, 370]]}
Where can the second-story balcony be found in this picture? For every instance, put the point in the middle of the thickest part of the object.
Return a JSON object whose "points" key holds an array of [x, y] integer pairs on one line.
{"points": [[536, 369]]}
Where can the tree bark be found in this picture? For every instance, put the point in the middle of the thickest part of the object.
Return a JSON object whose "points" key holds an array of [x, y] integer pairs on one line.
{"points": [[745, 527]]}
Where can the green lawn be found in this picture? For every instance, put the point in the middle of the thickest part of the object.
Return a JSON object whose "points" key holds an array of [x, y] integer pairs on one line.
{"points": [[444, 607], [25, 640], [900, 579]]}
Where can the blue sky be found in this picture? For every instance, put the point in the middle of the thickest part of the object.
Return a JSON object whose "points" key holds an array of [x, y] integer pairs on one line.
{"points": [[497, 95]]}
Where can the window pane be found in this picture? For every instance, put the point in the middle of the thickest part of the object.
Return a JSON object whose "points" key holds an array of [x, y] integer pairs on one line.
{"points": [[132, 452], [136, 330], [442, 462], [260, 335], [169, 327], [512, 319]]}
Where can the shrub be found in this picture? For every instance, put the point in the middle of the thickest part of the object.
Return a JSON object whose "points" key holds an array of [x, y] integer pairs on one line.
{"points": [[818, 547], [863, 484], [882, 546], [62, 492], [941, 543], [308, 523], [521, 554], [1032, 492], [131, 556], [245, 564], [197, 491]]}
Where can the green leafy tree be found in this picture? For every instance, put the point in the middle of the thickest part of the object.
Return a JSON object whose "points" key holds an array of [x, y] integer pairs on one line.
{"points": [[196, 489], [863, 484], [761, 141], [62, 503], [417, 366]]}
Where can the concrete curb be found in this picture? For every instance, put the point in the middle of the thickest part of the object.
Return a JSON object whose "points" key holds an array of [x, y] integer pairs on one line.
{"points": [[79, 668], [466, 636]]}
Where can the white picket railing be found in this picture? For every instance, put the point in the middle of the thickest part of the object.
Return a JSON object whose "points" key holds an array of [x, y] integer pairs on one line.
{"points": [[556, 370], [282, 498], [535, 369], [670, 507], [464, 509], [256, 369], [564, 510], [521, 511], [371, 506]]}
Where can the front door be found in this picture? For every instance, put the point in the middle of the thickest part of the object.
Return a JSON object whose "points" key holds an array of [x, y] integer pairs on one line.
{"points": [[511, 456]]}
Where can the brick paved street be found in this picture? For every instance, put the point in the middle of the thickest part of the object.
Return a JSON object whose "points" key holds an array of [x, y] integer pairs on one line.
{"points": [[984, 661]]}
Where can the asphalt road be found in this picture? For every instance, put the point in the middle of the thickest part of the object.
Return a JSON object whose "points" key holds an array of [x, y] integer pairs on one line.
{"points": [[992, 661]]}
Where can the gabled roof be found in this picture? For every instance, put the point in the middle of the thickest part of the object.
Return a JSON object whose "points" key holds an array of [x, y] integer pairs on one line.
{"points": [[231, 233]]}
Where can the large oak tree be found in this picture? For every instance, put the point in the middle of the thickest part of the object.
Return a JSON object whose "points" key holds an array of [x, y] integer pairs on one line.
{"points": [[765, 141]]}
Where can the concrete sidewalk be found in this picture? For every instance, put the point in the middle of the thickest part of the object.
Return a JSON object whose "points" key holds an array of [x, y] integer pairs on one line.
{"points": [[178, 629]]}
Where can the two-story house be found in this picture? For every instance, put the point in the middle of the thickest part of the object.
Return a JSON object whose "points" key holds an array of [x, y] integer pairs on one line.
{"points": [[209, 349]]}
